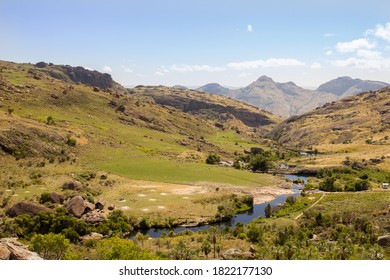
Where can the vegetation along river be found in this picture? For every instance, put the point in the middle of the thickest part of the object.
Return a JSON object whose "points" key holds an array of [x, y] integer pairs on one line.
{"points": [[244, 218]]}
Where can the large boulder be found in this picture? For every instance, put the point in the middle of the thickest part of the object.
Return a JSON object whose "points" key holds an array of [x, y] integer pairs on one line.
{"points": [[11, 249], [89, 206], [57, 198], [384, 241], [29, 208], [100, 204], [76, 206], [73, 185]]}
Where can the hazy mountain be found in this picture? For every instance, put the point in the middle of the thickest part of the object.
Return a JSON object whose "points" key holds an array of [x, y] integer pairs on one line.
{"points": [[283, 99], [180, 87], [346, 86], [288, 99], [214, 88]]}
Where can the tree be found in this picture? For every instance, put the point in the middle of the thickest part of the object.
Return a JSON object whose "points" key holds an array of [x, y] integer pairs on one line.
{"points": [[181, 252], [255, 234], [328, 184], [213, 237], [50, 246], [206, 248], [260, 163], [10, 111], [268, 211]]}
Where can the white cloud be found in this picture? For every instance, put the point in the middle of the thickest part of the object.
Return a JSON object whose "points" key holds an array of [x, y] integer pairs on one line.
{"points": [[158, 73], [328, 35], [250, 28], [107, 69], [316, 65], [369, 54], [164, 69], [329, 52], [88, 68], [272, 62], [193, 68], [364, 63], [354, 45], [381, 31], [127, 70]]}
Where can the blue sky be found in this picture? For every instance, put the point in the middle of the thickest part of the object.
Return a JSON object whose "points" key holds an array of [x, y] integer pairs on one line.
{"points": [[196, 42]]}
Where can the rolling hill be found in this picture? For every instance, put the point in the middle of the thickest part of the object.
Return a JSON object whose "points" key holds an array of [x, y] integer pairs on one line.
{"points": [[359, 124]]}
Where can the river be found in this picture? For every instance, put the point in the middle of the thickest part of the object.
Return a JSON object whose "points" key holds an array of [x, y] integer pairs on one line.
{"points": [[244, 218]]}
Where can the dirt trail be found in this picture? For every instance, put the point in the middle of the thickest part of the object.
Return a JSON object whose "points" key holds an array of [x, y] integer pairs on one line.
{"points": [[314, 204]]}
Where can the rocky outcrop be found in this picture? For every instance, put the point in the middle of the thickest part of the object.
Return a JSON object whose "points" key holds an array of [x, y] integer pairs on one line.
{"points": [[188, 105], [11, 249], [4, 252], [234, 254], [81, 75], [29, 208]]}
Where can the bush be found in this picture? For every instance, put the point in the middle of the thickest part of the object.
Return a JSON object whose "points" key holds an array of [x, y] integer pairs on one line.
{"points": [[49, 120], [213, 159], [115, 248], [71, 142], [362, 185], [45, 197], [50, 246]]}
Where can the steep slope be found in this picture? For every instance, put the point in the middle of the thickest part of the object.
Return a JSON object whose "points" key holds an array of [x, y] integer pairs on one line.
{"points": [[346, 86], [363, 118]]}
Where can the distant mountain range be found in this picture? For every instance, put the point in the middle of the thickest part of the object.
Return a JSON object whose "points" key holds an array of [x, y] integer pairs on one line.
{"points": [[288, 99]]}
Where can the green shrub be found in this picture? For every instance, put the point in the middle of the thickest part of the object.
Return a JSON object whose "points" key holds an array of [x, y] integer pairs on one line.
{"points": [[212, 159], [50, 246], [116, 248]]}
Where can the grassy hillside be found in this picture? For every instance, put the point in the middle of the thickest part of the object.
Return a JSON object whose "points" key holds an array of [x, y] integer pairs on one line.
{"points": [[53, 130], [356, 127]]}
